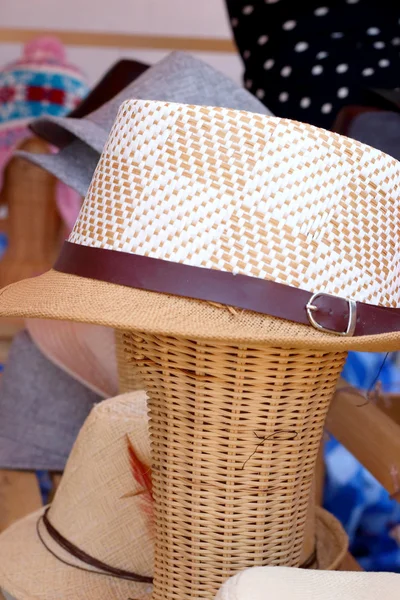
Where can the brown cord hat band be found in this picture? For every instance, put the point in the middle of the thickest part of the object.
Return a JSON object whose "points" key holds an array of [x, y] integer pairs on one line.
{"points": [[103, 568], [330, 314]]}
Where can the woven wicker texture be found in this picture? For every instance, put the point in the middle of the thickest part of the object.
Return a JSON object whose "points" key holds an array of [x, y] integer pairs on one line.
{"points": [[247, 193], [235, 432], [128, 376], [34, 225]]}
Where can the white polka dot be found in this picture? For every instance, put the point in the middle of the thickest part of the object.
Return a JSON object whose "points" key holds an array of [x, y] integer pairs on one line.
{"points": [[260, 94], [234, 22], [352, 1], [248, 9], [289, 25], [384, 62], [342, 68], [248, 83], [373, 31], [379, 45], [305, 102], [286, 71], [301, 47], [246, 54], [317, 70], [326, 108], [321, 55], [271, 1], [283, 97], [269, 64], [263, 40], [321, 12], [367, 72], [396, 41], [343, 92], [336, 35]]}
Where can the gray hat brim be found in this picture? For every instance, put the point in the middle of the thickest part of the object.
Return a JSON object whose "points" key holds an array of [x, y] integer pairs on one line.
{"points": [[74, 165], [179, 78], [61, 131], [42, 409]]}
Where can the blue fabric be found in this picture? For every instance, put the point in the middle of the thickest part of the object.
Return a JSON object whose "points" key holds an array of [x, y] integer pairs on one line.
{"points": [[18, 106], [351, 493], [45, 485], [3, 243]]}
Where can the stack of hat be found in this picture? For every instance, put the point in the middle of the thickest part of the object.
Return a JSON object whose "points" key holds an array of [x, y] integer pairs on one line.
{"points": [[233, 249]]}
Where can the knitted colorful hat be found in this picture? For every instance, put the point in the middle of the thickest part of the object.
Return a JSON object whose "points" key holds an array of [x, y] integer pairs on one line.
{"points": [[40, 83]]}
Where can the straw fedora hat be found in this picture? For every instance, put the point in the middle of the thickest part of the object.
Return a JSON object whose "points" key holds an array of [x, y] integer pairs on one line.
{"points": [[86, 352], [100, 509], [294, 584], [193, 210], [96, 539]]}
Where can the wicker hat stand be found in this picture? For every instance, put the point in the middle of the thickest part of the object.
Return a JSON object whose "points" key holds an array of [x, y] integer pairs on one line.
{"points": [[235, 433], [33, 224]]}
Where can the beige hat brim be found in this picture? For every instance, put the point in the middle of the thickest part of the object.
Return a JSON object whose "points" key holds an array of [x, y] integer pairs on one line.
{"points": [[28, 571], [56, 295]]}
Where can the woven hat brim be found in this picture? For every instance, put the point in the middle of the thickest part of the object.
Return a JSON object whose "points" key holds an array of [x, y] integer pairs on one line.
{"points": [[61, 131], [29, 572], [56, 295]]}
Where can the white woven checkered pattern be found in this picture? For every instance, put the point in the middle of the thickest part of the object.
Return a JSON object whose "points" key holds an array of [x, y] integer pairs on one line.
{"points": [[251, 194]]}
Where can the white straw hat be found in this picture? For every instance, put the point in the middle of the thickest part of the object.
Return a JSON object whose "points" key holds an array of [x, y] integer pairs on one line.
{"points": [[194, 207]]}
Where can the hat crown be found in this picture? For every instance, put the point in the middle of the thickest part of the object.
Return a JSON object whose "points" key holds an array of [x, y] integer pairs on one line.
{"points": [[95, 506], [250, 194]]}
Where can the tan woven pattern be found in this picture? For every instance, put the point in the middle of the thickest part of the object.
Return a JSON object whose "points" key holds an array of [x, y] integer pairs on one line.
{"points": [[235, 432], [128, 377], [251, 194]]}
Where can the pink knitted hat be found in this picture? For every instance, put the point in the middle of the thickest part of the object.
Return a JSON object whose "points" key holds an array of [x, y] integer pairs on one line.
{"points": [[40, 83]]}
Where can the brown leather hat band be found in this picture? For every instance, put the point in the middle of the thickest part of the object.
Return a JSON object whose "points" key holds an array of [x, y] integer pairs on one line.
{"points": [[321, 311]]}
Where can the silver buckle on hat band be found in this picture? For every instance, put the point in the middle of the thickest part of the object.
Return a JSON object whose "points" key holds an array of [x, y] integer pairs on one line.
{"points": [[351, 325]]}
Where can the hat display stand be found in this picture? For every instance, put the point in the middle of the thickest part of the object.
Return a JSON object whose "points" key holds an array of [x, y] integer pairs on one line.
{"points": [[235, 433], [33, 221]]}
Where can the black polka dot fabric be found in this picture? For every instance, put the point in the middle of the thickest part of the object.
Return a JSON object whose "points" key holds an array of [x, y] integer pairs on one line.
{"points": [[306, 59]]}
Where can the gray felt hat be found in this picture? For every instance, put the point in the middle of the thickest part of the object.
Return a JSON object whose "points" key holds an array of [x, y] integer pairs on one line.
{"points": [[177, 78], [42, 409], [73, 165]]}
